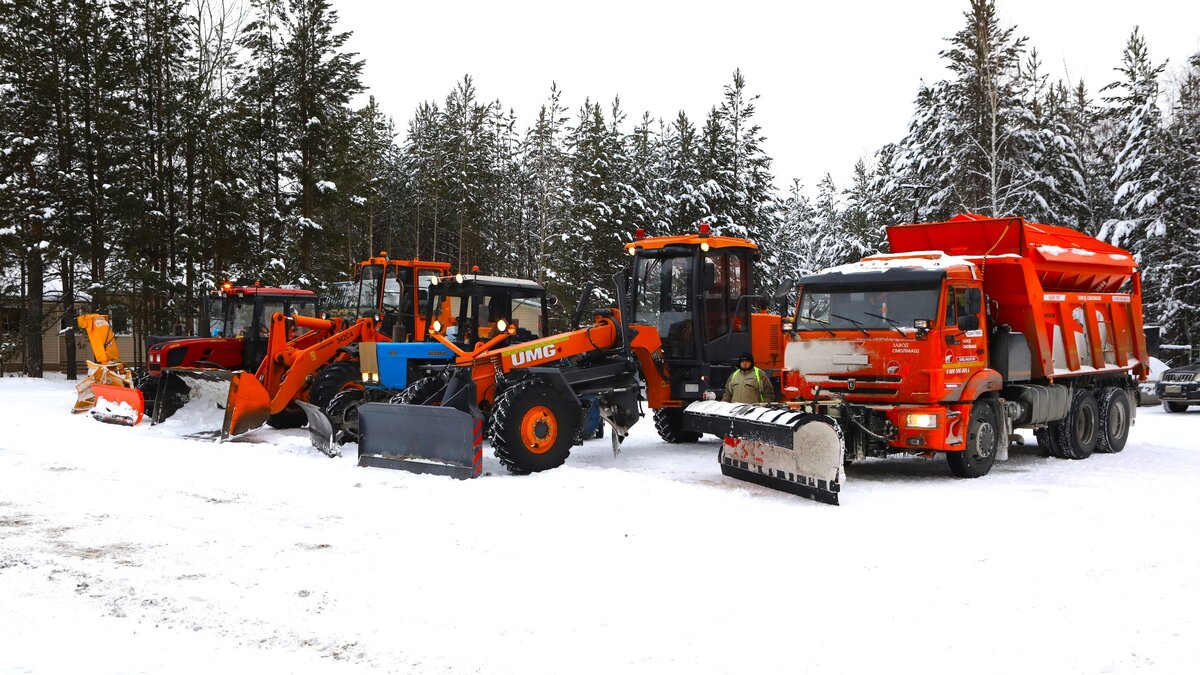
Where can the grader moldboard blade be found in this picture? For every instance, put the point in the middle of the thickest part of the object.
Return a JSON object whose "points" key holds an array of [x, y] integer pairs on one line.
{"points": [[211, 402], [117, 404], [420, 438], [791, 450]]}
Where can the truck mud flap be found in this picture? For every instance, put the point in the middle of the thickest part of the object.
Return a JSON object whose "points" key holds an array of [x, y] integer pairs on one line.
{"points": [[211, 402], [420, 439], [117, 404], [790, 450], [320, 429]]}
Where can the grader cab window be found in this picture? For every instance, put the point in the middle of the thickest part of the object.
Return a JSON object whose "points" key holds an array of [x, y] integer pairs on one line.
{"points": [[664, 291]]}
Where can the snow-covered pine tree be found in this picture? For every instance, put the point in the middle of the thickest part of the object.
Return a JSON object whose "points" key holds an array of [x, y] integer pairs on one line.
{"points": [[645, 150], [317, 79], [468, 177], [1177, 307], [750, 191], [549, 196], [988, 123], [685, 196], [1137, 175], [864, 217]]}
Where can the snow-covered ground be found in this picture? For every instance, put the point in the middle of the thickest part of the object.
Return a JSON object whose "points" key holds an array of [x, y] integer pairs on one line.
{"points": [[125, 550]]}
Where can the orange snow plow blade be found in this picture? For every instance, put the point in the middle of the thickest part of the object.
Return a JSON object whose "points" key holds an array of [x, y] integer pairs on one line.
{"points": [[117, 404], [211, 402]]}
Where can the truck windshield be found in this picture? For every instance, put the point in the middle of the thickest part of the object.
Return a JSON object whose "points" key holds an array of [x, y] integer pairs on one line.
{"points": [[877, 308]]}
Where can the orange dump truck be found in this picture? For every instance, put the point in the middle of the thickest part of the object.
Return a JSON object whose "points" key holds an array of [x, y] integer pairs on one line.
{"points": [[968, 330]]}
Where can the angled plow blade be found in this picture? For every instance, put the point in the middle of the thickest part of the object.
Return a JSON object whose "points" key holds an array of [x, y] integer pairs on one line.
{"points": [[320, 429], [790, 450], [421, 439], [117, 404]]}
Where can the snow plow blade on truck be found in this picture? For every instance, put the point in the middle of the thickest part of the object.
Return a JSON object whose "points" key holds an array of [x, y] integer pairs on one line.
{"points": [[797, 450]]}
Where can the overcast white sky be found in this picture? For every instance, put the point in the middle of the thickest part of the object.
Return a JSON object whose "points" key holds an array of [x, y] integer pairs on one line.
{"points": [[836, 79]]}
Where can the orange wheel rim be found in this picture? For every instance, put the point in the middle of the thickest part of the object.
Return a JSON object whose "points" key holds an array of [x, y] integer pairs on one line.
{"points": [[539, 429]]}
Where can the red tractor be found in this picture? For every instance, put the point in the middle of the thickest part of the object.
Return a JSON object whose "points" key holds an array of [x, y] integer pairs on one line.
{"points": [[234, 325]]}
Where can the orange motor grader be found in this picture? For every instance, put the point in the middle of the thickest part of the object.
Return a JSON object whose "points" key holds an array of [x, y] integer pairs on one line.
{"points": [[686, 310]]}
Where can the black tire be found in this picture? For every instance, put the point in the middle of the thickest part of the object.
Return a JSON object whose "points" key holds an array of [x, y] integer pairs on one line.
{"points": [[425, 391], [1047, 440], [669, 423], [1116, 414], [342, 411], [533, 411], [1174, 407], [1078, 431], [149, 388], [984, 435], [333, 379], [291, 417]]}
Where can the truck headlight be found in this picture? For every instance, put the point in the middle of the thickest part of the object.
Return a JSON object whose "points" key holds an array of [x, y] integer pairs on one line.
{"points": [[437, 326], [921, 421], [501, 325]]}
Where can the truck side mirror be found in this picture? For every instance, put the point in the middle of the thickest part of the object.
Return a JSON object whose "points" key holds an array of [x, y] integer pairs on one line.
{"points": [[974, 301], [968, 322]]}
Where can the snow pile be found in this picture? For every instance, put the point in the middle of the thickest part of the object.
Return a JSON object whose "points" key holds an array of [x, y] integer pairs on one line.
{"points": [[202, 415], [105, 408], [925, 260]]}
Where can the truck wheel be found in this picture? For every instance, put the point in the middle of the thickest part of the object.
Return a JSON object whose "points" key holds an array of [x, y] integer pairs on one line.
{"points": [[1115, 417], [425, 391], [1047, 440], [984, 436], [1174, 407], [332, 379], [533, 428], [1078, 431], [669, 423]]}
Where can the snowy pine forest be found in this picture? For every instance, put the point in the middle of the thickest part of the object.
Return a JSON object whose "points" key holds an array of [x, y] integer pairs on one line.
{"points": [[152, 148]]}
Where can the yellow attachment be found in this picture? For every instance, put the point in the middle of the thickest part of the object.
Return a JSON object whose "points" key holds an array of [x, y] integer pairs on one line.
{"points": [[100, 336]]}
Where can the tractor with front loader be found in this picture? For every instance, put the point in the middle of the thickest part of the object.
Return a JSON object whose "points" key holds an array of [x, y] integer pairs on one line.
{"points": [[307, 358], [465, 311], [686, 309], [234, 322], [967, 330]]}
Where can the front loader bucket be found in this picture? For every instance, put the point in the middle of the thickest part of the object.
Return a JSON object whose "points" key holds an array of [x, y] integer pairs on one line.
{"points": [[320, 429], [117, 404], [211, 402], [421, 439], [791, 450]]}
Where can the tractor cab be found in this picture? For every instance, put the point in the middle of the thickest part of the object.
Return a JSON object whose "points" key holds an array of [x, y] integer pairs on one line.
{"points": [[245, 312], [471, 308], [698, 292], [390, 291]]}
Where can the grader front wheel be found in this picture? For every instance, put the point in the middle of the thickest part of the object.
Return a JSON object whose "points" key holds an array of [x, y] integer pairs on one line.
{"points": [[533, 428]]}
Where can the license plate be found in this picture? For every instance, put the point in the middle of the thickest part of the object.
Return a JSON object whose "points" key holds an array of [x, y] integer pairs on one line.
{"points": [[1173, 389]]}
